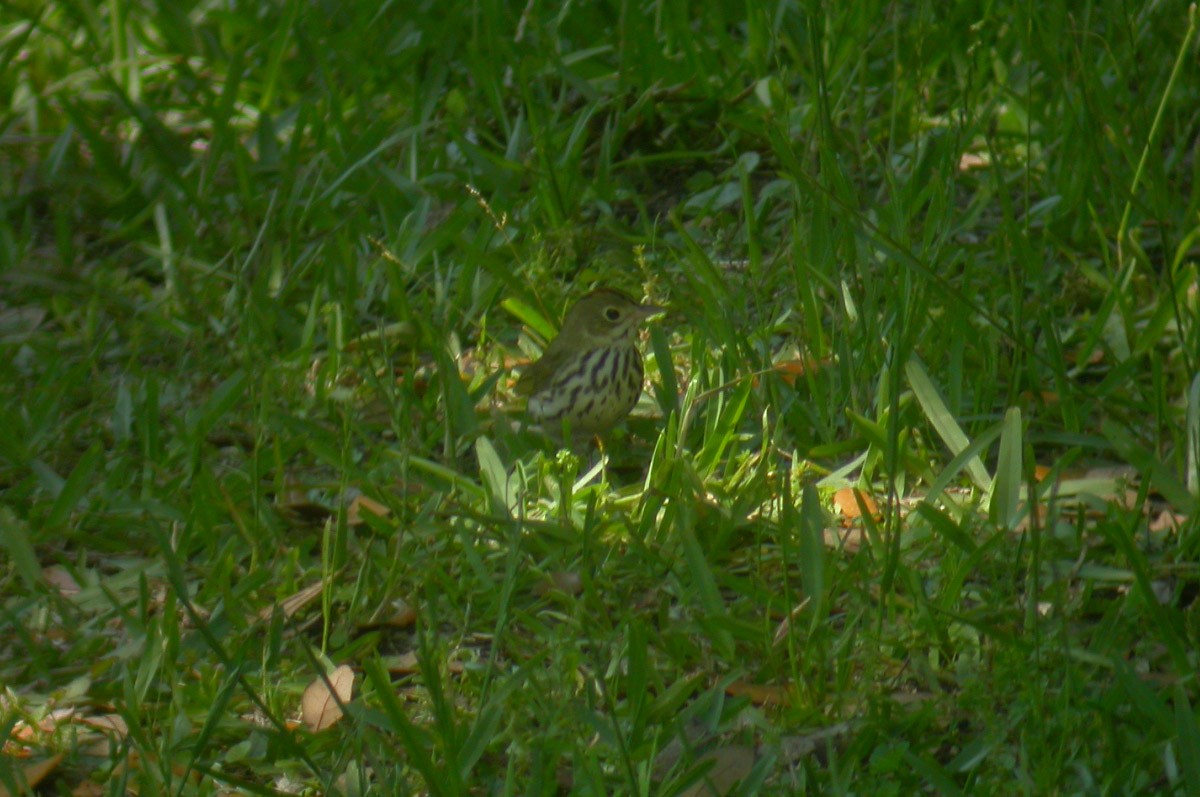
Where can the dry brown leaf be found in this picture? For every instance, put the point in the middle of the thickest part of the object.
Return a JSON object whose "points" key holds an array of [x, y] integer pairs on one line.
{"points": [[23, 732], [403, 615], [785, 626], [794, 749], [57, 577], [791, 370], [407, 664], [849, 540], [319, 707], [404, 664], [88, 788], [970, 161], [294, 603], [760, 694], [35, 773], [1167, 521], [305, 513], [847, 504], [107, 723], [731, 765], [361, 504], [112, 728]]}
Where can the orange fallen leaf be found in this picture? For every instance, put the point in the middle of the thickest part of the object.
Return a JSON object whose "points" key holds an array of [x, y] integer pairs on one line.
{"points": [[848, 505], [792, 370], [760, 694]]}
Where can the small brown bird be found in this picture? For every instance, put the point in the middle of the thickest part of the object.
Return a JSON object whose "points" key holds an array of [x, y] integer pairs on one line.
{"points": [[590, 376]]}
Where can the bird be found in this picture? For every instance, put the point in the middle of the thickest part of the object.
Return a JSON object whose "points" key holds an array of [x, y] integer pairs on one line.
{"points": [[590, 376]]}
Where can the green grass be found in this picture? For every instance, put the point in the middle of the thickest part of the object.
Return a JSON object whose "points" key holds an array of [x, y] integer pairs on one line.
{"points": [[258, 260]]}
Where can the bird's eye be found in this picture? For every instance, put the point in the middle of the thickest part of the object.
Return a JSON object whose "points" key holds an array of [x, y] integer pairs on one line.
{"points": [[612, 314]]}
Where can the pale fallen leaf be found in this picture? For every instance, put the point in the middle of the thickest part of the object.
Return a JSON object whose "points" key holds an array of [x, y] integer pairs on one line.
{"points": [[730, 765], [294, 603], [560, 581], [848, 540], [23, 732], [57, 577], [320, 708], [107, 723], [794, 749], [404, 664], [112, 728], [1167, 521], [970, 161], [361, 504], [784, 627], [407, 664]]}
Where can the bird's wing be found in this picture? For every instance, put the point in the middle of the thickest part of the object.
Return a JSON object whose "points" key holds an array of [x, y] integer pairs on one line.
{"points": [[538, 374]]}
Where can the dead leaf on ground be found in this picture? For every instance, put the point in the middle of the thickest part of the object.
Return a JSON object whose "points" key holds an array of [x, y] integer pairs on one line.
{"points": [[23, 733], [970, 161], [403, 615], [565, 581], [112, 729], [360, 505], [88, 788], [57, 577], [792, 370], [107, 723], [1167, 520], [847, 500], [730, 765], [294, 603], [849, 540], [796, 748], [408, 663], [404, 664], [319, 707], [299, 510], [760, 694], [35, 773], [785, 625]]}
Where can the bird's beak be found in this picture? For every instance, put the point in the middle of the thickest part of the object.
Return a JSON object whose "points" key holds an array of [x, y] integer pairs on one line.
{"points": [[649, 311]]}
